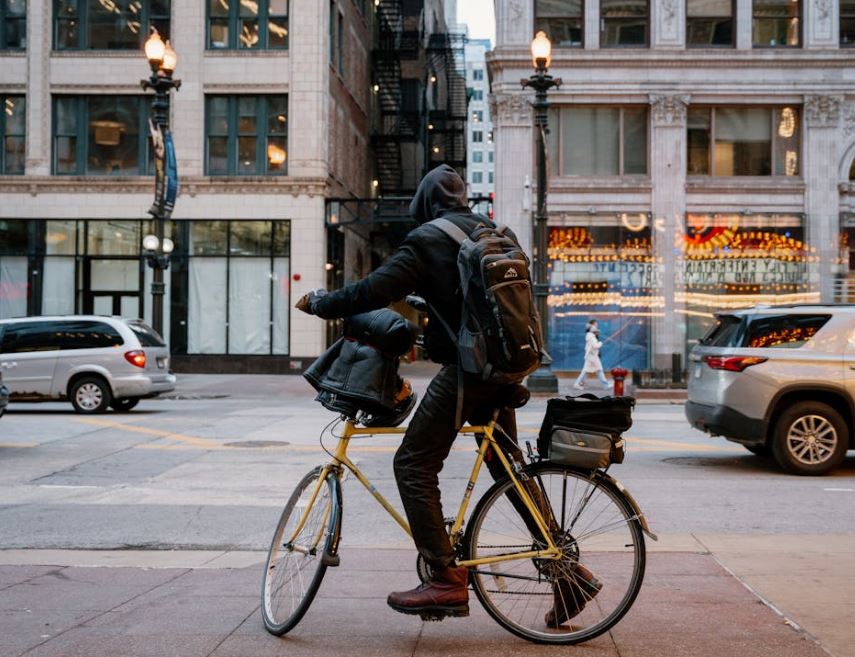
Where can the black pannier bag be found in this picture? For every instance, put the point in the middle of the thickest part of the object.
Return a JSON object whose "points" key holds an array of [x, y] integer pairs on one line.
{"points": [[585, 431]]}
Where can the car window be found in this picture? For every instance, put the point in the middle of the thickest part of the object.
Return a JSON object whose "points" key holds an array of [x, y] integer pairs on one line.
{"points": [[724, 333], [147, 336], [23, 337], [783, 331], [86, 334]]}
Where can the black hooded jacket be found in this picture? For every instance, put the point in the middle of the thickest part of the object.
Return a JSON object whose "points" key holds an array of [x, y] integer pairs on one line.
{"points": [[425, 264]]}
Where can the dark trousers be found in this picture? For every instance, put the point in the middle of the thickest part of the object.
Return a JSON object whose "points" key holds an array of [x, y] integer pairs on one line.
{"points": [[426, 445]]}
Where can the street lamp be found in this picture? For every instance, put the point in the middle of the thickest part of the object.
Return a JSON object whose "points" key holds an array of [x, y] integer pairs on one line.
{"points": [[163, 60], [543, 379]]}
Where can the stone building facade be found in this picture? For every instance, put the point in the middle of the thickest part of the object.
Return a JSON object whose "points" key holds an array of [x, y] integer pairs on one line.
{"points": [[700, 158], [479, 126]]}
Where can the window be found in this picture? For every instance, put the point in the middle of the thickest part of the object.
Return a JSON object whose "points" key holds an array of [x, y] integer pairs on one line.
{"points": [[562, 20], [478, 116], [477, 136], [340, 44], [52, 336], [113, 25], [100, 135], [847, 23], [710, 23], [752, 141], [246, 135], [724, 333], [477, 156], [783, 331], [776, 23], [599, 141], [477, 177], [13, 24], [477, 94], [624, 23], [477, 73], [147, 336], [490, 177], [256, 25], [490, 156], [13, 126]]}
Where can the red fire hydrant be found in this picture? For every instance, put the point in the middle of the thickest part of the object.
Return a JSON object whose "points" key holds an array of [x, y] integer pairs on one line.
{"points": [[618, 375]]}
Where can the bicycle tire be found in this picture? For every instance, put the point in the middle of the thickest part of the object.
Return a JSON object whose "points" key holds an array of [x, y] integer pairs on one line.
{"points": [[510, 573], [280, 558]]}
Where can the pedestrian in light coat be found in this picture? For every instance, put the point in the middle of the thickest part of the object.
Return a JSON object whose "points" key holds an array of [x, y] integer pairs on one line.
{"points": [[592, 364]]}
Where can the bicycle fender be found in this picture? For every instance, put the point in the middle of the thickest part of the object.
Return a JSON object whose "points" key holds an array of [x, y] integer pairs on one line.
{"points": [[629, 498], [331, 557]]}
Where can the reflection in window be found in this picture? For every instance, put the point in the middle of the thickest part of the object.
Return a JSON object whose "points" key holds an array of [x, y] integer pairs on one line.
{"points": [[13, 129], [748, 141], [603, 269], [247, 24], [13, 24], [847, 23], [562, 20], [594, 141], [776, 23], [108, 24], [247, 135], [624, 23], [783, 331], [709, 23], [114, 238], [100, 135]]}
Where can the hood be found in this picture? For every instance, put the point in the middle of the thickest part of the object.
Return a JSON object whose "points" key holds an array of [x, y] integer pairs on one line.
{"points": [[441, 189]]}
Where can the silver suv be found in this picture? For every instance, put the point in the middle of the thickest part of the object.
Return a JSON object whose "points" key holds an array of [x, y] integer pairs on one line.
{"points": [[779, 380], [94, 362]]}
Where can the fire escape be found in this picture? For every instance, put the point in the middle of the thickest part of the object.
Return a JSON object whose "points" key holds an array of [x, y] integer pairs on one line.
{"points": [[447, 116]]}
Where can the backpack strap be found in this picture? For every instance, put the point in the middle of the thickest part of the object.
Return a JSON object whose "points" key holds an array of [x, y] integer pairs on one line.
{"points": [[451, 229]]}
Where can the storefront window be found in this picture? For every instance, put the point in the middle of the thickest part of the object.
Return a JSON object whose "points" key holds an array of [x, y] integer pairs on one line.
{"points": [[602, 267], [562, 20], [710, 23], [737, 261], [113, 25]]}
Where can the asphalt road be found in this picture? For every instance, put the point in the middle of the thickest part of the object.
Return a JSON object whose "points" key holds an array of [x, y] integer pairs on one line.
{"points": [[203, 472]]}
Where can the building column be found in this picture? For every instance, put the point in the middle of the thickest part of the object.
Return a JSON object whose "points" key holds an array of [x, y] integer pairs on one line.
{"points": [[668, 179], [821, 22], [188, 131], [514, 23], [592, 25], [514, 165], [822, 202], [668, 24], [744, 38], [39, 106]]}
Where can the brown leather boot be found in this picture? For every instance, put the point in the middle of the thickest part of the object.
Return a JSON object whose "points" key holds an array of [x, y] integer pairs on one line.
{"points": [[445, 595], [571, 594]]}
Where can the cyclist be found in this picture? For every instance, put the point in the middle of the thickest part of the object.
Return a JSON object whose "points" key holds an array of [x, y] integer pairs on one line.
{"points": [[426, 263]]}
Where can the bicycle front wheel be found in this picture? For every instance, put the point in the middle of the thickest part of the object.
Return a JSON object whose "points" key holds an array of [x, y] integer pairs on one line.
{"points": [[567, 600], [295, 563]]}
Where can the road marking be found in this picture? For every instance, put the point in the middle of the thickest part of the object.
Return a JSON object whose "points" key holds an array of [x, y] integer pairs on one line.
{"points": [[839, 490], [67, 486], [18, 445], [196, 441]]}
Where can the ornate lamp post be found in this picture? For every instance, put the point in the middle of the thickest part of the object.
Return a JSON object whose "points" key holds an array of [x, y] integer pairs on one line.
{"points": [[543, 379], [162, 59]]}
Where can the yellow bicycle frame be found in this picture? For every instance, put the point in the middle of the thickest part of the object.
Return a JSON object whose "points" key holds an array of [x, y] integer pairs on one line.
{"points": [[340, 459]]}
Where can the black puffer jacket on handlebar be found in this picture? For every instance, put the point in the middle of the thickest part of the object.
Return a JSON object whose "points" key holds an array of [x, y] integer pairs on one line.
{"points": [[360, 371]]}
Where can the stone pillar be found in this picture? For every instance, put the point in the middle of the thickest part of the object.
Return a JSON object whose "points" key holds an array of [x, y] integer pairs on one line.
{"points": [[514, 166], [39, 106], [821, 140], [821, 22], [668, 179], [514, 22], [743, 24], [188, 102], [592, 25], [668, 24]]}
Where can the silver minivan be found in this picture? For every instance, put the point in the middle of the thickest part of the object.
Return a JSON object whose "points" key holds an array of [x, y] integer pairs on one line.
{"points": [[779, 380], [92, 361]]}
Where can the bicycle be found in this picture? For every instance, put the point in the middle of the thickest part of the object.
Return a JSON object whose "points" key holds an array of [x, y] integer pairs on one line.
{"points": [[513, 572]]}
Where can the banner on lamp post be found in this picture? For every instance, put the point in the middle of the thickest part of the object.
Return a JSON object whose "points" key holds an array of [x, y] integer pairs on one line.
{"points": [[159, 149], [171, 177]]}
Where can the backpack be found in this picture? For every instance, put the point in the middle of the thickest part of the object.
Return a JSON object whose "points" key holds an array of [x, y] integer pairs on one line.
{"points": [[499, 339]]}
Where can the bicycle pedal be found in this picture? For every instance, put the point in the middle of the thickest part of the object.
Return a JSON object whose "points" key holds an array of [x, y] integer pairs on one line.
{"points": [[331, 560]]}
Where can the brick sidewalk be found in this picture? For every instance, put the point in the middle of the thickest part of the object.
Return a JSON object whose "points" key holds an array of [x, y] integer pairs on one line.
{"points": [[688, 606]]}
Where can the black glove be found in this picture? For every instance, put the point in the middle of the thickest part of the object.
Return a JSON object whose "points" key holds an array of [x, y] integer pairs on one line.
{"points": [[307, 301]]}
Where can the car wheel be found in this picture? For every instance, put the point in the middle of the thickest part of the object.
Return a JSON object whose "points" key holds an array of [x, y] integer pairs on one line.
{"points": [[124, 404], [90, 394], [810, 439], [759, 450]]}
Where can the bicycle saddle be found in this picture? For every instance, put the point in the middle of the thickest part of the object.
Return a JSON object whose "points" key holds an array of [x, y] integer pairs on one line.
{"points": [[513, 396]]}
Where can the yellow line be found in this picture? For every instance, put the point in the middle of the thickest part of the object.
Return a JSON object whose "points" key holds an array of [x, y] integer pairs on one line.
{"points": [[18, 446], [196, 441]]}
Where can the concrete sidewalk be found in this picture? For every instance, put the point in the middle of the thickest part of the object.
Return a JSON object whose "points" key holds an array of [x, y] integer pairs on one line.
{"points": [[188, 604]]}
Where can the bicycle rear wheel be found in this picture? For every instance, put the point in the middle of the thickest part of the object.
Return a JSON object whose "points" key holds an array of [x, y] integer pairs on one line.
{"points": [[594, 526], [296, 564]]}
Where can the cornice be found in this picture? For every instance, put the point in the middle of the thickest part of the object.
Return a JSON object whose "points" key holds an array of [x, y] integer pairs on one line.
{"points": [[226, 54], [189, 185], [98, 54], [745, 185], [588, 185], [108, 89], [19, 54], [244, 87]]}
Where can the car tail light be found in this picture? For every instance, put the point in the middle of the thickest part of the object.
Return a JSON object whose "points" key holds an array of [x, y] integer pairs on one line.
{"points": [[733, 363], [136, 357]]}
